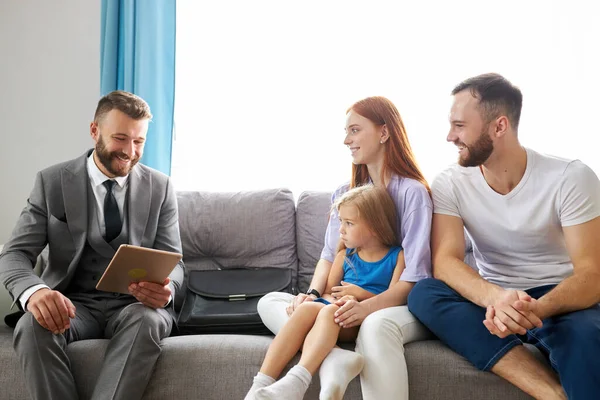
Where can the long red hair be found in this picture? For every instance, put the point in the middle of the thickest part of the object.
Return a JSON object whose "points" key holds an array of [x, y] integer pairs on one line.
{"points": [[398, 158]]}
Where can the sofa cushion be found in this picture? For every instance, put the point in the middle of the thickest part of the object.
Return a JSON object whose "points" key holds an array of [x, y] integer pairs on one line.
{"points": [[193, 367], [312, 216], [244, 229], [436, 372], [216, 367]]}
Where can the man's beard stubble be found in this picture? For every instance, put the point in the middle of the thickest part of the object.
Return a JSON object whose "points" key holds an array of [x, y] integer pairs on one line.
{"points": [[478, 152], [106, 159]]}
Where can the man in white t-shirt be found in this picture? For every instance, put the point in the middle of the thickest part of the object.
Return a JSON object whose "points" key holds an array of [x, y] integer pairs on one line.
{"points": [[533, 221]]}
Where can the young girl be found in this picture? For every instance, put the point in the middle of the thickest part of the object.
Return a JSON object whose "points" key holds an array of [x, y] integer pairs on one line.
{"points": [[370, 262]]}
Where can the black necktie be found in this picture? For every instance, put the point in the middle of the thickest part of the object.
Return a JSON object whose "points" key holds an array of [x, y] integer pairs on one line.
{"points": [[112, 218]]}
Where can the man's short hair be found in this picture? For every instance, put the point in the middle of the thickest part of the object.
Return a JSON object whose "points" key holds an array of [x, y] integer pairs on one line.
{"points": [[496, 95], [128, 103]]}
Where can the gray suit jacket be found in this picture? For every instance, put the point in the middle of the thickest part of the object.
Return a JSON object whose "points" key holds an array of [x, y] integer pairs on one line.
{"points": [[57, 215]]}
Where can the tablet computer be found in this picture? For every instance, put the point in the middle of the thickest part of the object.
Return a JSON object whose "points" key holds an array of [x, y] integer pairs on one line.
{"points": [[135, 264]]}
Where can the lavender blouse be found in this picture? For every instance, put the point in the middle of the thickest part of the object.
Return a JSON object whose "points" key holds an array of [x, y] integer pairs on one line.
{"points": [[414, 209]]}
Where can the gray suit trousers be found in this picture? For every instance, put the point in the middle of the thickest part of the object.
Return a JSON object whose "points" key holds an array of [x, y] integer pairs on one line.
{"points": [[134, 330]]}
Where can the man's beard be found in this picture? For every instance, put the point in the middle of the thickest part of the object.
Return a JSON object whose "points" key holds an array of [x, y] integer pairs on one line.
{"points": [[478, 152], [106, 159]]}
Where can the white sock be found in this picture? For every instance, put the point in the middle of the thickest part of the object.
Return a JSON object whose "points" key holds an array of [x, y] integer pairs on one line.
{"points": [[260, 381], [337, 370], [291, 387]]}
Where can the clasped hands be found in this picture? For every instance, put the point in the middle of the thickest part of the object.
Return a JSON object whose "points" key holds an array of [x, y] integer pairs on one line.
{"points": [[53, 310], [512, 312]]}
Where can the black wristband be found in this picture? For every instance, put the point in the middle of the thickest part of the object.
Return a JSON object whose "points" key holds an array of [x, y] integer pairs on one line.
{"points": [[313, 291]]}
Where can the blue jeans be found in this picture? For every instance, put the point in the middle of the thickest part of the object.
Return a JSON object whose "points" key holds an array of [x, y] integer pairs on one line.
{"points": [[571, 342]]}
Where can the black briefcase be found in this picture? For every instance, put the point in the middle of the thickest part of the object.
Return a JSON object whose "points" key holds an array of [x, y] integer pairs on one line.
{"points": [[224, 301]]}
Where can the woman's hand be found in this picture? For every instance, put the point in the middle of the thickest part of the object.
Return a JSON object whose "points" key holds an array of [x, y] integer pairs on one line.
{"points": [[296, 301], [349, 289], [351, 312]]}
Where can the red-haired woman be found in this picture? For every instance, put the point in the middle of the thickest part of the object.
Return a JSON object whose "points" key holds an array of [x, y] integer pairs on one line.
{"points": [[381, 155]]}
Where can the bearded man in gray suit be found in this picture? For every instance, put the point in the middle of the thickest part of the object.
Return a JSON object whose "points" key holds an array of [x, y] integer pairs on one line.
{"points": [[84, 209]]}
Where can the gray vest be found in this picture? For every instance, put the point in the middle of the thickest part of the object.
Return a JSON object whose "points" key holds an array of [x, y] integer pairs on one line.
{"points": [[97, 253]]}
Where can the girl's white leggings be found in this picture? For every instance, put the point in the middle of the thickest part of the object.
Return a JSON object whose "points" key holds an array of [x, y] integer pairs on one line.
{"points": [[381, 341]]}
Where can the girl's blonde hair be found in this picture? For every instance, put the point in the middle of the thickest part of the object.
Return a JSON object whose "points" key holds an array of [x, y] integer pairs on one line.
{"points": [[376, 208]]}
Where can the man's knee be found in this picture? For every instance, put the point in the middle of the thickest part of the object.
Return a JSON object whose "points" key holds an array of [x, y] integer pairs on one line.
{"points": [[422, 297], [582, 333], [28, 328], [26, 325], [588, 331], [424, 289], [153, 321]]}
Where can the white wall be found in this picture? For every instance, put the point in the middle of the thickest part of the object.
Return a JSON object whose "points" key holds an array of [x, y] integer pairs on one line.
{"points": [[262, 103], [49, 87]]}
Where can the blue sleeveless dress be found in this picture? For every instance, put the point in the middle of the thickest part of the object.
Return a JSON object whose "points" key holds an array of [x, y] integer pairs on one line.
{"points": [[374, 277]]}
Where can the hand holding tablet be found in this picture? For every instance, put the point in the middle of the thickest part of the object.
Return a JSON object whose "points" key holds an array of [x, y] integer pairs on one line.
{"points": [[137, 264]]}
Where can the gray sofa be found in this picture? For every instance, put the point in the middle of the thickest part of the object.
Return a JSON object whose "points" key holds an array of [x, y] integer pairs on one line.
{"points": [[254, 229]]}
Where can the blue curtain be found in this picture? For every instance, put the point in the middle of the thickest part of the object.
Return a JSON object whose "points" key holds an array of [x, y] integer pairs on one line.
{"points": [[138, 55]]}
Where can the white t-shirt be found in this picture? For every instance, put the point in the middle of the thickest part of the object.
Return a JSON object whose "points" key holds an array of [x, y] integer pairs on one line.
{"points": [[517, 238]]}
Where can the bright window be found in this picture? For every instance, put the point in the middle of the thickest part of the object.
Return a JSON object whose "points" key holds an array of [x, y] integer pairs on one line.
{"points": [[262, 87]]}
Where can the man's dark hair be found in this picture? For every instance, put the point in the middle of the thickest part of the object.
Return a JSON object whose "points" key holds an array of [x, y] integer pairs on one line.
{"points": [[496, 95], [128, 103]]}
